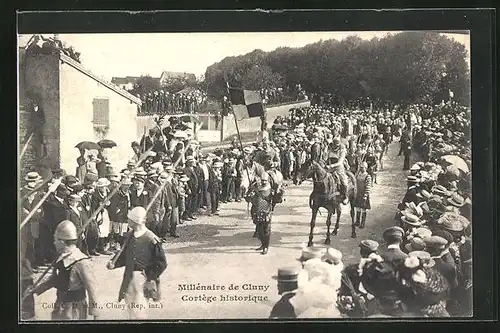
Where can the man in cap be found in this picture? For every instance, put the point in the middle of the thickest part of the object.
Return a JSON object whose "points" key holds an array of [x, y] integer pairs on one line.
{"points": [[78, 216], [171, 196], [139, 195], [393, 237], [144, 261], [29, 200], [411, 192], [193, 185], [336, 162], [287, 288], [148, 141], [437, 246], [118, 210], [54, 211], [214, 186], [367, 247], [205, 178], [72, 276]]}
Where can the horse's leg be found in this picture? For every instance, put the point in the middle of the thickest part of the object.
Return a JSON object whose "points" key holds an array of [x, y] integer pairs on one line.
{"points": [[328, 224], [313, 225], [353, 227], [338, 210]]}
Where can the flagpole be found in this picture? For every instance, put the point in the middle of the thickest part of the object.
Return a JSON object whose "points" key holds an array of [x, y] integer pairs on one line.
{"points": [[237, 131]]}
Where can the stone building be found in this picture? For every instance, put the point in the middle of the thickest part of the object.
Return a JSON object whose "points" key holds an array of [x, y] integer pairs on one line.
{"points": [[76, 106]]}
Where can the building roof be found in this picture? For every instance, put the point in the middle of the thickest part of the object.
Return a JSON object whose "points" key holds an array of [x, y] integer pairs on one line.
{"points": [[64, 58], [167, 74], [128, 79]]}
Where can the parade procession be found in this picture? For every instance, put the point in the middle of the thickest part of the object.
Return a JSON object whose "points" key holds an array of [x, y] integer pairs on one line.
{"points": [[335, 205]]}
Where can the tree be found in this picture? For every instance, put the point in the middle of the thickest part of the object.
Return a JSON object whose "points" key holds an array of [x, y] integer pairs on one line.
{"points": [[145, 85], [261, 76], [401, 68], [175, 84]]}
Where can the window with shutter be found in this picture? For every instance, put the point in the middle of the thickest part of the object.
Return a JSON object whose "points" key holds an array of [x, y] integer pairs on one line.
{"points": [[101, 112]]}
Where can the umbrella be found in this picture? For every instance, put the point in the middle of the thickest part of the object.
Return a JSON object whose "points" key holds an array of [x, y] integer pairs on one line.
{"points": [[88, 145], [180, 134], [106, 143], [457, 162]]}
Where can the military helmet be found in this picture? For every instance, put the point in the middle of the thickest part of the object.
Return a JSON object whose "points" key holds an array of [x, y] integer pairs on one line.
{"points": [[66, 230]]}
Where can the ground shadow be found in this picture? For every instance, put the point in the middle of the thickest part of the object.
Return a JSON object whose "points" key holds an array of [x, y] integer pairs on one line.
{"points": [[210, 240]]}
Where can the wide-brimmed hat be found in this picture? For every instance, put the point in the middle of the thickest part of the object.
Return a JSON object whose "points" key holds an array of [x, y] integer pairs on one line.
{"points": [[455, 200], [424, 257], [184, 178], [30, 186], [412, 179], [102, 182], [287, 274], [424, 194], [125, 180], [332, 255], [453, 222], [412, 220], [32, 177], [312, 252], [440, 190]]}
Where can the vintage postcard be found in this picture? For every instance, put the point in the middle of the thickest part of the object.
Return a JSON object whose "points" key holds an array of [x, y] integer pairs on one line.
{"points": [[256, 175]]}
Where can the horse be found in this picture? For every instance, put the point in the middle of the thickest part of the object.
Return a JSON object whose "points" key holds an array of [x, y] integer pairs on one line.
{"points": [[276, 180], [325, 194]]}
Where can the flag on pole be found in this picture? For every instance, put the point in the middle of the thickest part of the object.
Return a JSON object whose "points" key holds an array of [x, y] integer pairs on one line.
{"points": [[246, 103]]}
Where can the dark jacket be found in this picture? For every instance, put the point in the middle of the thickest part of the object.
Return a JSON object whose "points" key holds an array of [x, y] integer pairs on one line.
{"points": [[150, 254], [214, 184], [142, 199], [54, 212], [119, 207], [283, 308], [193, 179], [446, 266]]}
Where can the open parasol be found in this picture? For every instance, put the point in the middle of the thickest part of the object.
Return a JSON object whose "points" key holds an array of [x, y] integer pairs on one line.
{"points": [[106, 143], [457, 162], [89, 145], [180, 134]]}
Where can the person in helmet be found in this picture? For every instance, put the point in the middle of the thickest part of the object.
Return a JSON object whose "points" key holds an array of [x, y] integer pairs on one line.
{"points": [[262, 204], [336, 163], [72, 276]]}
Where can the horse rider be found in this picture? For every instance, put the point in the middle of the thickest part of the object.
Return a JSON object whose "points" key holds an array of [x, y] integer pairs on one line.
{"points": [[263, 155], [317, 149], [337, 164]]}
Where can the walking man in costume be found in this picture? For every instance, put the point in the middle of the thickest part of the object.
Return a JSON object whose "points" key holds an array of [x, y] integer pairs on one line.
{"points": [[72, 276], [144, 261], [362, 202], [261, 211]]}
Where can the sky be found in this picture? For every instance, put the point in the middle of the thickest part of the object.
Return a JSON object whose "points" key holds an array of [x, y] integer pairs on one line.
{"points": [[135, 54]]}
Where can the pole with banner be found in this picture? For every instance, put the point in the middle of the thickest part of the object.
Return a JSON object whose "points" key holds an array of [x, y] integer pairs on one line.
{"points": [[237, 128]]}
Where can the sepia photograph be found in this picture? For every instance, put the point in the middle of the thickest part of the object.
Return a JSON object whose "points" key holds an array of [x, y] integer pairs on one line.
{"points": [[244, 175]]}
